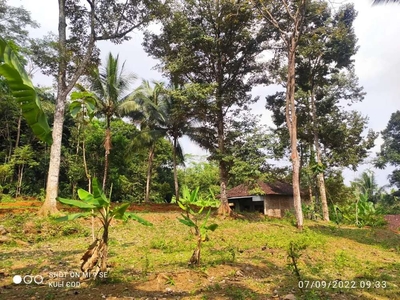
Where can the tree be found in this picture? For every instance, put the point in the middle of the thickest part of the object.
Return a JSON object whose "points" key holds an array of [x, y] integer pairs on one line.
{"points": [[108, 89], [149, 100], [13, 27], [87, 23], [368, 186], [325, 79], [390, 149], [178, 113], [22, 157], [212, 43], [288, 17]]}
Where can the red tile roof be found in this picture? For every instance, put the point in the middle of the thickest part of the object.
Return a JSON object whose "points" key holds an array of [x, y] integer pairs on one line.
{"points": [[277, 188]]}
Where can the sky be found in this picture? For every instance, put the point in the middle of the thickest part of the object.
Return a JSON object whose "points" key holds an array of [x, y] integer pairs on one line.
{"points": [[377, 65]]}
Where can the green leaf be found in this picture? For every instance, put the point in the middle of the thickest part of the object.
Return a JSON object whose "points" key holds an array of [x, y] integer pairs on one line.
{"points": [[187, 221], [98, 192], [138, 219], [72, 217], [119, 211], [84, 195], [211, 227], [24, 92], [181, 205], [76, 203]]}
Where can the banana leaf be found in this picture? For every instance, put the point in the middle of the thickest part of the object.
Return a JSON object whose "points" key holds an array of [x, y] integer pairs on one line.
{"points": [[24, 92], [76, 203]]}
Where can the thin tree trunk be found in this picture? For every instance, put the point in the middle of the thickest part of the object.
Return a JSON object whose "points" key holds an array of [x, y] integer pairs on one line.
{"points": [[19, 182], [107, 147], [176, 183], [320, 176], [149, 173], [18, 129], [89, 178], [10, 149], [291, 120]]}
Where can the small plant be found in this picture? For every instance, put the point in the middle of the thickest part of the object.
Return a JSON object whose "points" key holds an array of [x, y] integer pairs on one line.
{"points": [[98, 205], [196, 219], [294, 253]]}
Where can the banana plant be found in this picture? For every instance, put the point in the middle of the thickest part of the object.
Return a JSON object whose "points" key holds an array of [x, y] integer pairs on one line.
{"points": [[98, 205], [23, 92], [196, 219]]}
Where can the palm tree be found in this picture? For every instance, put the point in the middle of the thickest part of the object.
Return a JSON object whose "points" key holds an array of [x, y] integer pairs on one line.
{"points": [[151, 118], [368, 186], [109, 87], [176, 123]]}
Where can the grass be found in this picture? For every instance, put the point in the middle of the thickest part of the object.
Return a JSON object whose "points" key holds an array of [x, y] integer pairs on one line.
{"points": [[244, 259]]}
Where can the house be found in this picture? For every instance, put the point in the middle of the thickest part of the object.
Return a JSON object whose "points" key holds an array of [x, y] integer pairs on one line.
{"points": [[272, 199]]}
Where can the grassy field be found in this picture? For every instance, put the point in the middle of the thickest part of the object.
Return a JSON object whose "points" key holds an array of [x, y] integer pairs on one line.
{"points": [[243, 259]]}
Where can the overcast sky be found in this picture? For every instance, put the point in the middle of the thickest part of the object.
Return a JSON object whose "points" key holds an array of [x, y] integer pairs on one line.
{"points": [[377, 64]]}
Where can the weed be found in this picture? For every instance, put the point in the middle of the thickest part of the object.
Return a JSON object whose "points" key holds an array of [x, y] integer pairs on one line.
{"points": [[293, 257], [170, 280], [236, 293]]}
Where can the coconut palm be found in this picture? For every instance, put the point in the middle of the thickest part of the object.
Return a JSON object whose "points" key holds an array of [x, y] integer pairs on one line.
{"points": [[176, 123], [109, 88], [368, 186], [150, 118]]}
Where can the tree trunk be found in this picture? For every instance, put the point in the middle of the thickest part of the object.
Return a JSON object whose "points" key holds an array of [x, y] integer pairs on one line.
{"points": [[50, 204], [320, 176], [149, 172], [18, 129], [224, 208], [176, 183], [107, 147], [291, 120], [19, 184]]}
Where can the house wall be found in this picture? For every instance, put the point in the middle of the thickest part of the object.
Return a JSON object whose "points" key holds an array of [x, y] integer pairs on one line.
{"points": [[276, 205]]}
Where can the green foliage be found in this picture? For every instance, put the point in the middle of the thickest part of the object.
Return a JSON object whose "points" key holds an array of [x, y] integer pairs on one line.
{"points": [[293, 255], [23, 92], [194, 218], [390, 149], [360, 212], [201, 175]]}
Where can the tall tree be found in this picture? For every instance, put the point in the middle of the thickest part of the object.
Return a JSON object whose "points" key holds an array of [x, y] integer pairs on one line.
{"points": [[149, 100], [390, 149], [214, 43], [326, 47], [287, 16], [87, 23], [109, 89]]}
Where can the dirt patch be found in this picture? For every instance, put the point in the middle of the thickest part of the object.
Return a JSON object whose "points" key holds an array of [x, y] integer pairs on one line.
{"points": [[33, 206], [393, 222]]}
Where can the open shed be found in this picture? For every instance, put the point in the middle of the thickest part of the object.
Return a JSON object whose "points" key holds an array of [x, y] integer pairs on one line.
{"points": [[271, 199]]}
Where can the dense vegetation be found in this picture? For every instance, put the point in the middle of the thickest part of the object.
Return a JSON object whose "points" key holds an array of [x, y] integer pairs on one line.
{"points": [[211, 63]]}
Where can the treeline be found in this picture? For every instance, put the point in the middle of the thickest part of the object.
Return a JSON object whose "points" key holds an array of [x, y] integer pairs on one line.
{"points": [[212, 55]]}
